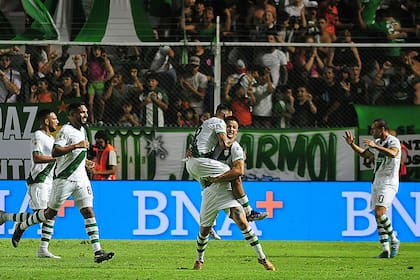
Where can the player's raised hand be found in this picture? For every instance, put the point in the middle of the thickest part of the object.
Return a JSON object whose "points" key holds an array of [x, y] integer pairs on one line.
{"points": [[348, 136]]}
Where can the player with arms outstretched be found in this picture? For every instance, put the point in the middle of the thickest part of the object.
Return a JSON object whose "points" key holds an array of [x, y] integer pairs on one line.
{"points": [[385, 150]]}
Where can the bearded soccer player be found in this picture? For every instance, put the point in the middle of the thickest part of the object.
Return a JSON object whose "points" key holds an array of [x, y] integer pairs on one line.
{"points": [[70, 179], [385, 149]]}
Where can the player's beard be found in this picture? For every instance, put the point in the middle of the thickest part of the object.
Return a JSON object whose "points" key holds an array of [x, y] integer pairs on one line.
{"points": [[52, 129]]}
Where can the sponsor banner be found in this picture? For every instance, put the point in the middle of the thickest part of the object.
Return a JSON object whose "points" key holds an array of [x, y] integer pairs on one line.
{"points": [[160, 210], [144, 154], [320, 155]]}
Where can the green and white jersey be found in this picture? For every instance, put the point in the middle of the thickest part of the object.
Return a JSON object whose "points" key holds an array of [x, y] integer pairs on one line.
{"points": [[387, 168], [71, 166], [205, 137], [229, 155], [41, 143]]}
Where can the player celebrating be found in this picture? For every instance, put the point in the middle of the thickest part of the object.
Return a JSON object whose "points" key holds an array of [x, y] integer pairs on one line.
{"points": [[39, 181], [70, 179], [234, 157], [216, 196], [385, 149]]}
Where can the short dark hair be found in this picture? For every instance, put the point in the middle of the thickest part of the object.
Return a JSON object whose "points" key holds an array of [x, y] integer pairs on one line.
{"points": [[223, 106], [43, 80], [151, 75], [102, 134], [232, 118], [43, 114], [381, 123], [75, 106]]}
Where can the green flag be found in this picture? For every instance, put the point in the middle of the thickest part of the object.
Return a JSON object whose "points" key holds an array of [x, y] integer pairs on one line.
{"points": [[43, 26]]}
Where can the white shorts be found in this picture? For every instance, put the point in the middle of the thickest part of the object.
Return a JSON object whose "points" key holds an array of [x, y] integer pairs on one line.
{"points": [[62, 189], [216, 197], [205, 167], [39, 194], [383, 195]]}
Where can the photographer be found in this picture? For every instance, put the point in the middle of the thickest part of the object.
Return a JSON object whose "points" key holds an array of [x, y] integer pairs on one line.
{"points": [[104, 156]]}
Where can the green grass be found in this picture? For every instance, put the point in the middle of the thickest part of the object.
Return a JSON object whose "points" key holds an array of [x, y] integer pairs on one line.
{"points": [[224, 260]]}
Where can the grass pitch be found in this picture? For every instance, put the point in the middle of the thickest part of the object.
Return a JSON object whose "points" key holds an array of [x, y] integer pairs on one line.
{"points": [[224, 260]]}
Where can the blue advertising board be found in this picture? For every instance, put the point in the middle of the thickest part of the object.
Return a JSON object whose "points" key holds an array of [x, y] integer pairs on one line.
{"points": [[169, 210]]}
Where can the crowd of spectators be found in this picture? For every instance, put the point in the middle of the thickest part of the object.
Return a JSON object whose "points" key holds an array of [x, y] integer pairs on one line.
{"points": [[267, 87]]}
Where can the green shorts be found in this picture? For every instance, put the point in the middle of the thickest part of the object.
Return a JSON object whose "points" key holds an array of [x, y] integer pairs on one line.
{"points": [[96, 87]]}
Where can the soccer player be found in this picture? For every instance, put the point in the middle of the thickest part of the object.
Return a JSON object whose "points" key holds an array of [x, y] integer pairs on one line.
{"points": [[39, 181], [70, 179], [385, 150], [218, 196], [210, 134]]}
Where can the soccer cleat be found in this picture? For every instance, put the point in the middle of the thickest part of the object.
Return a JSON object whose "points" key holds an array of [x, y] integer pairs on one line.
{"points": [[267, 264], [44, 253], [256, 216], [101, 256], [17, 235], [214, 235], [198, 265], [395, 248], [383, 255], [2, 217]]}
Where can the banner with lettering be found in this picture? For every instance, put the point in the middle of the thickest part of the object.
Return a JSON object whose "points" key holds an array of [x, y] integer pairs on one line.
{"points": [[144, 154], [164, 210], [320, 155]]}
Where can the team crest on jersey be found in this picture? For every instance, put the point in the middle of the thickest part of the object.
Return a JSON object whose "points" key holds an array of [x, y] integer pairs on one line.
{"points": [[226, 152]]}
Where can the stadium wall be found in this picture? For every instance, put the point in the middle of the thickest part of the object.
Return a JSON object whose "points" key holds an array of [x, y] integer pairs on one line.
{"points": [[169, 210], [317, 154]]}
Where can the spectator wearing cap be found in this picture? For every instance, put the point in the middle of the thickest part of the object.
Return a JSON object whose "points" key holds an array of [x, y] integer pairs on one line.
{"points": [[153, 102], [10, 80], [206, 59], [194, 85]]}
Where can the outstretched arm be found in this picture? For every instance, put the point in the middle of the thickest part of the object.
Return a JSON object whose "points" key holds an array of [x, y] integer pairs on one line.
{"points": [[350, 140]]}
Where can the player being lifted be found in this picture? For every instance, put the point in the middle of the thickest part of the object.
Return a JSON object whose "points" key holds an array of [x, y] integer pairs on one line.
{"points": [[217, 196]]}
